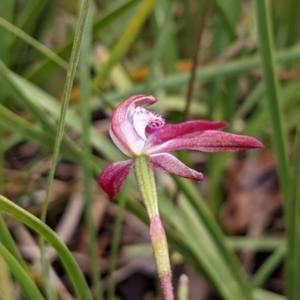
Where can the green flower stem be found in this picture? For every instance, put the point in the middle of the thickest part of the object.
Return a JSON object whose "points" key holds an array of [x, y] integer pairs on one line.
{"points": [[161, 254], [145, 179], [72, 268]]}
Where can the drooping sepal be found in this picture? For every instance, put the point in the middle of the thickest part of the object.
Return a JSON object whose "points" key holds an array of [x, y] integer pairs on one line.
{"points": [[170, 164], [112, 177]]}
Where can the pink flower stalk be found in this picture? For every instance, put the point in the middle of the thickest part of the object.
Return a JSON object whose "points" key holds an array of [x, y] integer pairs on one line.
{"points": [[139, 132], [143, 136]]}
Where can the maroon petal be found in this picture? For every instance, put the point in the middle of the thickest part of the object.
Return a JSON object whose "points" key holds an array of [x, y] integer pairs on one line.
{"points": [[170, 164], [113, 176], [169, 132], [209, 141], [120, 130]]}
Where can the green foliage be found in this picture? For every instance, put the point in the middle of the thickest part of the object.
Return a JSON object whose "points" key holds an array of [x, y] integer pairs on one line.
{"points": [[121, 38]]}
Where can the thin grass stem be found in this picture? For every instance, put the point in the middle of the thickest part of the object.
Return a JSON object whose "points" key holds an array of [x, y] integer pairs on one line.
{"points": [[84, 105], [60, 130], [80, 286], [115, 246]]}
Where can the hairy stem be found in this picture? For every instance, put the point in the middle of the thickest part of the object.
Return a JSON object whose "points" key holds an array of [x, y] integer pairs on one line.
{"points": [[145, 179]]}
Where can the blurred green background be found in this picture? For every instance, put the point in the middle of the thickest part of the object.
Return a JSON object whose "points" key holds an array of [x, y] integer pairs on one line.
{"points": [[64, 66]]}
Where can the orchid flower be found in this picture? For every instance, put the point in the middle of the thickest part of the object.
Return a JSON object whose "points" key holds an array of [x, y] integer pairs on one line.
{"points": [[143, 136], [139, 132]]}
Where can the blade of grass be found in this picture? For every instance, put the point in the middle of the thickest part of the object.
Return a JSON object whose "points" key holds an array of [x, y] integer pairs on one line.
{"points": [[126, 39], [38, 73], [27, 18], [6, 13], [7, 240], [33, 133], [66, 96], [293, 23], [250, 101], [293, 221], [202, 12], [260, 294], [45, 139], [201, 241], [28, 287], [84, 106], [210, 73], [216, 169], [25, 99], [33, 18], [41, 105], [268, 267], [6, 283], [52, 56], [263, 16], [163, 11], [80, 286], [33, 42], [229, 11], [271, 88], [263, 244], [115, 246], [160, 44], [200, 208], [60, 132]]}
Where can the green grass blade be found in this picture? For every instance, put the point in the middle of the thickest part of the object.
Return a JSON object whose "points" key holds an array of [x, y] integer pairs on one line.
{"points": [[126, 39], [271, 88], [268, 267], [29, 131], [293, 23], [201, 240], [7, 240], [26, 21], [293, 221], [28, 287], [33, 42], [41, 105], [60, 131], [163, 14], [6, 13], [84, 106], [46, 67], [210, 73], [6, 283], [45, 139], [115, 246], [260, 294], [216, 238], [71, 266], [229, 11], [263, 244], [160, 44], [252, 99]]}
